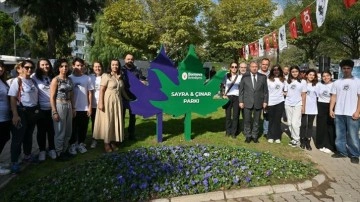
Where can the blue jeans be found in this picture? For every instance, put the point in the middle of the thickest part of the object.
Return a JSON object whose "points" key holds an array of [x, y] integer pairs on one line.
{"points": [[347, 140]]}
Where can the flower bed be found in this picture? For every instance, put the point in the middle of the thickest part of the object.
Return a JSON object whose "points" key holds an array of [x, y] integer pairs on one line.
{"points": [[164, 171]]}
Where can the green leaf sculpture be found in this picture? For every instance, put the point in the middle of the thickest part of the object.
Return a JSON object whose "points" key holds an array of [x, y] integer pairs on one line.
{"points": [[192, 94]]}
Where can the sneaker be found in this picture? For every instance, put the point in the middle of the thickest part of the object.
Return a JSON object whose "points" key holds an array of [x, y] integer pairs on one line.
{"points": [[52, 154], [15, 168], [354, 160], [30, 159], [278, 141], [93, 144], [338, 155], [4, 171], [322, 149], [326, 150], [81, 148], [270, 141], [42, 156], [72, 149], [294, 143]]}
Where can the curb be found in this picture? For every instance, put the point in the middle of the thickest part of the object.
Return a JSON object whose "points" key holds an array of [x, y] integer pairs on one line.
{"points": [[249, 192]]}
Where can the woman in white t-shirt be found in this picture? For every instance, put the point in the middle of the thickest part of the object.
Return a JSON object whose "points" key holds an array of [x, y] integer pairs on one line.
{"points": [[276, 103], [23, 101], [45, 127], [325, 126], [95, 80], [5, 119], [295, 90], [307, 119], [231, 92]]}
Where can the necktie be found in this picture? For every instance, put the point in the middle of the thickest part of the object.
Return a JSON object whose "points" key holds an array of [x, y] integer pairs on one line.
{"points": [[254, 80]]}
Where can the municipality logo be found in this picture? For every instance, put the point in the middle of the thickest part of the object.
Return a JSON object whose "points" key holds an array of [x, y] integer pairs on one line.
{"points": [[346, 87], [184, 76]]}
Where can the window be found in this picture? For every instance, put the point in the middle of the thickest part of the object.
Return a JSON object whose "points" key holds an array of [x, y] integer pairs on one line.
{"points": [[80, 43], [80, 30], [79, 55]]}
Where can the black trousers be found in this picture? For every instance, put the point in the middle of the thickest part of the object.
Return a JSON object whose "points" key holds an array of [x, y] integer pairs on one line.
{"points": [[5, 134], [232, 113], [275, 113], [132, 118], [79, 127], [251, 114], [325, 128], [45, 127], [93, 115], [306, 128]]}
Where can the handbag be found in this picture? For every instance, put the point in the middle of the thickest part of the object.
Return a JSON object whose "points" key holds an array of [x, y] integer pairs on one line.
{"points": [[31, 113], [231, 85]]}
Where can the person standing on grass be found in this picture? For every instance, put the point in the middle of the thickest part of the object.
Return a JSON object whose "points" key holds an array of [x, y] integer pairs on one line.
{"points": [[276, 103], [265, 64], [5, 120], [295, 90], [109, 125], [253, 98], [83, 90], [62, 110], [23, 101], [231, 83], [345, 108], [95, 80], [45, 127], [307, 119], [325, 128]]}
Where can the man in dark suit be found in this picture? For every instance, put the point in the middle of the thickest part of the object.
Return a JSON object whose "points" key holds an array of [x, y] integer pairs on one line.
{"points": [[253, 97]]}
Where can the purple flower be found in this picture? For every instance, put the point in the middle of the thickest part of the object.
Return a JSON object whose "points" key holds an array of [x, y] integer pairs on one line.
{"points": [[193, 182], [247, 179], [250, 172], [207, 168], [207, 175], [156, 188], [120, 179], [143, 185], [268, 173], [243, 167], [133, 186], [215, 180], [205, 183], [236, 180]]}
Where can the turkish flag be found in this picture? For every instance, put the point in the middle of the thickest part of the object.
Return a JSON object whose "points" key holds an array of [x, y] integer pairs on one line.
{"points": [[242, 52], [349, 3], [256, 51], [306, 20], [252, 49], [267, 43], [293, 28], [274, 39]]}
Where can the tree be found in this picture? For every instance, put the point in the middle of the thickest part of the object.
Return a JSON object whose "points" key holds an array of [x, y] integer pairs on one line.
{"points": [[58, 18], [231, 24]]}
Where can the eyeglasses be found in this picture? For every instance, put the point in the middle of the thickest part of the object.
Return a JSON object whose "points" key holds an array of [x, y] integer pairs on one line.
{"points": [[242, 67], [28, 67], [233, 67]]}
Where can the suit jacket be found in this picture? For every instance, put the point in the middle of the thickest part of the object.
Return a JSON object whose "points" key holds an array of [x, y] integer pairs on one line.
{"points": [[253, 97]]}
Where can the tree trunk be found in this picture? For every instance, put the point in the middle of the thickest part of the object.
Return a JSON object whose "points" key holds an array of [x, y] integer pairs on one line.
{"points": [[51, 50]]}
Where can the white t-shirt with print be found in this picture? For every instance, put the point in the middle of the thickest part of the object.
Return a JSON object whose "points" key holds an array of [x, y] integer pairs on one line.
{"points": [[323, 92], [28, 94], [235, 88], [294, 90], [95, 80], [276, 91], [311, 103], [346, 91], [82, 84], [44, 91], [4, 102]]}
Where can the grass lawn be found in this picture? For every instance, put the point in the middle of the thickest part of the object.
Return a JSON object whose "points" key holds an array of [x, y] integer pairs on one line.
{"points": [[208, 130]]}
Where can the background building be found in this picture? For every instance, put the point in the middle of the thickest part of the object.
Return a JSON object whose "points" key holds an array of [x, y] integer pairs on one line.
{"points": [[79, 45]]}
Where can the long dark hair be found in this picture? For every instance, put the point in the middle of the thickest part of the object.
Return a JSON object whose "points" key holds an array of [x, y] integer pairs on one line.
{"points": [[38, 71], [228, 75], [281, 73], [57, 66], [119, 69], [290, 78], [101, 65], [315, 81], [3, 76]]}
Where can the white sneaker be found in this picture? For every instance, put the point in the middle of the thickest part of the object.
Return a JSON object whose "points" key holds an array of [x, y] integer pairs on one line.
{"points": [[294, 143], [93, 144], [322, 149], [72, 149], [278, 141], [52, 154], [326, 150], [4, 165], [42, 156], [270, 141], [81, 148], [4, 171]]}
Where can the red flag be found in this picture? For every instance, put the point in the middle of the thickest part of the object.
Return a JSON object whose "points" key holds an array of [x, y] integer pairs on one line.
{"points": [[292, 28], [274, 39], [252, 49], [241, 52], [306, 20], [267, 43], [256, 51], [349, 3]]}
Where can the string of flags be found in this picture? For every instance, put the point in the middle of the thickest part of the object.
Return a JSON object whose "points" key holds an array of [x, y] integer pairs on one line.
{"points": [[278, 38]]}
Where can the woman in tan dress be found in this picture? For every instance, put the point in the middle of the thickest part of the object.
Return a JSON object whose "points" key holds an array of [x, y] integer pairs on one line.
{"points": [[108, 122]]}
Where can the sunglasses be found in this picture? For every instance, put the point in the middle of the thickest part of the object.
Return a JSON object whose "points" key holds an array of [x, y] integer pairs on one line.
{"points": [[28, 67], [233, 67]]}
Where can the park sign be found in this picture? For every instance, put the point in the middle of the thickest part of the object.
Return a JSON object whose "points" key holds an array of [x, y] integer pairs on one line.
{"points": [[185, 90]]}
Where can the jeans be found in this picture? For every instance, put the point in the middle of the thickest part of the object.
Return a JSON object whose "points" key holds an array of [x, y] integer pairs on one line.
{"points": [[347, 140]]}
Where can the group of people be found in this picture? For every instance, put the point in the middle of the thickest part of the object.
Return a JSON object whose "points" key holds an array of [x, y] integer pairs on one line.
{"points": [[294, 96], [59, 101]]}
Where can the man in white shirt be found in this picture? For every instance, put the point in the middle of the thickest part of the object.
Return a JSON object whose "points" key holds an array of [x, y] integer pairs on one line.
{"points": [[265, 64], [345, 99]]}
